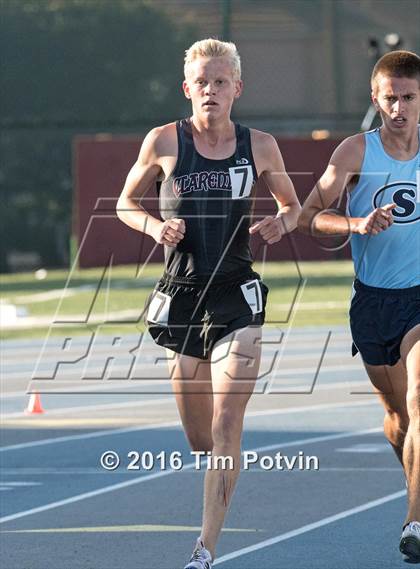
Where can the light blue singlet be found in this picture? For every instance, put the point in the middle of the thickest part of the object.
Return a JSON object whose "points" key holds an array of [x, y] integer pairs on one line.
{"points": [[390, 259]]}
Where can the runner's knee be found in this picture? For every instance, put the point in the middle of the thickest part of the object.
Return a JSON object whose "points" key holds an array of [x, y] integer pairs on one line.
{"points": [[396, 425], [413, 401], [227, 427], [200, 442]]}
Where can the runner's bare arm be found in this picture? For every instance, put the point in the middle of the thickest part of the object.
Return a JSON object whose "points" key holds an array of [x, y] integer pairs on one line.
{"points": [[270, 166], [146, 170], [345, 164]]}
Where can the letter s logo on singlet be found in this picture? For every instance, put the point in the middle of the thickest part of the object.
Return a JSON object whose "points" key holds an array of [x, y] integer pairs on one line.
{"points": [[406, 195]]}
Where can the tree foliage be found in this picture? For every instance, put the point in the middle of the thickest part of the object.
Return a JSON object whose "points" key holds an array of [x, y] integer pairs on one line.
{"points": [[70, 67]]}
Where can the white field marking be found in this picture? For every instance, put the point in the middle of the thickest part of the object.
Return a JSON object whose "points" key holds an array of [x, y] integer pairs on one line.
{"points": [[71, 291], [109, 384], [268, 352], [42, 471], [111, 387], [95, 471], [255, 470], [13, 484], [60, 410], [295, 342], [293, 388], [302, 335], [319, 439], [149, 362], [50, 294], [302, 388], [124, 529], [84, 436], [91, 494], [310, 527], [290, 355], [324, 368], [251, 414], [277, 373], [148, 477], [372, 448]]}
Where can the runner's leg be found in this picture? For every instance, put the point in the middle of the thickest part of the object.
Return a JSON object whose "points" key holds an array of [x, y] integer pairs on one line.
{"points": [[410, 353], [191, 384], [391, 385], [235, 364]]}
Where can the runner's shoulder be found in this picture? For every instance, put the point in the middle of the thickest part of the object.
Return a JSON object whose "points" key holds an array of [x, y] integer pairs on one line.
{"points": [[161, 140], [262, 140], [350, 153], [265, 150]]}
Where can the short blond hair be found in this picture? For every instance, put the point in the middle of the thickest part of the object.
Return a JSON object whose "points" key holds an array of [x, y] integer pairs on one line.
{"points": [[211, 47]]}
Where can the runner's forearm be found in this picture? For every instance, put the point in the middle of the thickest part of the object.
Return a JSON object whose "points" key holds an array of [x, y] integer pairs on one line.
{"points": [[132, 214], [329, 224], [289, 215]]}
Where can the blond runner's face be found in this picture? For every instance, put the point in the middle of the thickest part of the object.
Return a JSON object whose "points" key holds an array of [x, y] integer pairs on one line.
{"points": [[211, 87], [398, 101]]}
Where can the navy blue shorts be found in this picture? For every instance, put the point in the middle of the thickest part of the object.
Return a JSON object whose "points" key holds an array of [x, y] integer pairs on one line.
{"points": [[379, 320], [190, 318]]}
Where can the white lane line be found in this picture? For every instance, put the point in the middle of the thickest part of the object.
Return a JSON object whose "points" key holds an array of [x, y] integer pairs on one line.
{"points": [[188, 466], [294, 344], [50, 294], [61, 410], [321, 470], [124, 368], [109, 389], [320, 439], [295, 341], [84, 436], [6, 483], [298, 337], [91, 494], [50, 388], [301, 385], [251, 414], [88, 471], [304, 408], [310, 527], [303, 334], [304, 387]]}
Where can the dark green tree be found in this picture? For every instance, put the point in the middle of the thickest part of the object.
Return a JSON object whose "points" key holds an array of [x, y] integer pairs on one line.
{"points": [[70, 67]]}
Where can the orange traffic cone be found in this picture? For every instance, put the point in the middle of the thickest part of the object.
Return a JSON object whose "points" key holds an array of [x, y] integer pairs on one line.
{"points": [[34, 405]]}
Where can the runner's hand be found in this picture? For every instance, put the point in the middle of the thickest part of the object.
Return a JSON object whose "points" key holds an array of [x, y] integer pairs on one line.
{"points": [[270, 228], [169, 232], [377, 221]]}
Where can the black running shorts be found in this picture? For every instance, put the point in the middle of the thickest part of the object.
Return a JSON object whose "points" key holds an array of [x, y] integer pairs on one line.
{"points": [[379, 320], [190, 318]]}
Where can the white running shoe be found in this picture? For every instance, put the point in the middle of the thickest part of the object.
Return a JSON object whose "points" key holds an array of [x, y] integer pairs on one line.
{"points": [[410, 542], [201, 558]]}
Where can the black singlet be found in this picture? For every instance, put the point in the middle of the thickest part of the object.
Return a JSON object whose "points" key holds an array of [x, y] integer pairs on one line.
{"points": [[215, 198]]}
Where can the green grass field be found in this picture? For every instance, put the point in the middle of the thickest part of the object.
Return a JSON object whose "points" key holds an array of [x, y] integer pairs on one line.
{"points": [[316, 294]]}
